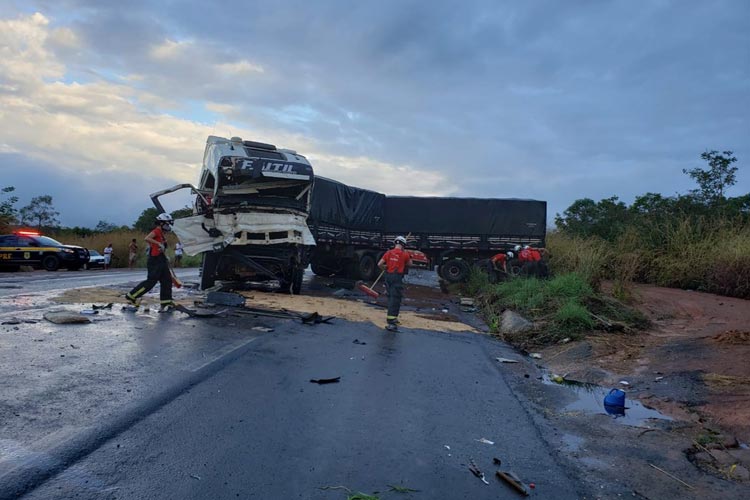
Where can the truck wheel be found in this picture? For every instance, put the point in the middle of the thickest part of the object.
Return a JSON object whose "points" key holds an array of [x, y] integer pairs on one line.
{"points": [[319, 270], [367, 268], [51, 263], [455, 270], [208, 270]]}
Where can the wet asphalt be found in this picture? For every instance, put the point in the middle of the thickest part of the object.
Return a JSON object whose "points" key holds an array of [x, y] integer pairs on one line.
{"points": [[165, 406]]}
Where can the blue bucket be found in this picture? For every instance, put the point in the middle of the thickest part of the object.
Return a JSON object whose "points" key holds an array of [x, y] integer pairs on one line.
{"points": [[616, 397]]}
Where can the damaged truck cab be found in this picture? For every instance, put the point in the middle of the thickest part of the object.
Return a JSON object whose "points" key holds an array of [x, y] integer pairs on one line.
{"points": [[250, 214]]}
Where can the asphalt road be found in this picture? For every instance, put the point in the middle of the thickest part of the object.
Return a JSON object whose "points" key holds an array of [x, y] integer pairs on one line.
{"points": [[164, 406]]}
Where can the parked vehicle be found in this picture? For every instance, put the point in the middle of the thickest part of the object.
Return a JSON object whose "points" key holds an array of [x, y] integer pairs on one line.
{"points": [[95, 260], [353, 227], [250, 213], [30, 248]]}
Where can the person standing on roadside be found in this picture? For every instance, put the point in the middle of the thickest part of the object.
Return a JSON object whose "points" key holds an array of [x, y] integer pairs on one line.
{"points": [[132, 253], [178, 254], [108, 256], [395, 262], [157, 265]]}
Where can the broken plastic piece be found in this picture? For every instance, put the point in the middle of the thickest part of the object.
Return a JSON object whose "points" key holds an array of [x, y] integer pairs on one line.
{"points": [[506, 360], [89, 311], [535, 355], [485, 441], [264, 329], [322, 381], [624, 382]]}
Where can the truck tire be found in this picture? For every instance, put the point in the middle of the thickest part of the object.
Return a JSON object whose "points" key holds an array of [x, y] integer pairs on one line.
{"points": [[51, 263], [208, 270], [320, 270], [367, 268], [454, 270]]}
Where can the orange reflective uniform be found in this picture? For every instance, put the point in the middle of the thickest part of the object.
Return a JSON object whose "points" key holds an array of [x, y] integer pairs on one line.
{"points": [[396, 260]]}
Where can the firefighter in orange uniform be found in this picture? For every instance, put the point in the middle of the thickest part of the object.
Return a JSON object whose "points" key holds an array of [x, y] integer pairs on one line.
{"points": [[395, 262]]}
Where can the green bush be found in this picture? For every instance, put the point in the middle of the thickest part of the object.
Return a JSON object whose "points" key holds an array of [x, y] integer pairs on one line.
{"points": [[574, 317]]}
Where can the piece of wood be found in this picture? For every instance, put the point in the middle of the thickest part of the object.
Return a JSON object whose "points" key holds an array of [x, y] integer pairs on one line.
{"points": [[515, 483], [673, 477]]}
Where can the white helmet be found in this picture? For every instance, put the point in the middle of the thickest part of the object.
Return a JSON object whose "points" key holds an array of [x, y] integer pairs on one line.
{"points": [[517, 248], [510, 255], [164, 217], [399, 240], [526, 247]]}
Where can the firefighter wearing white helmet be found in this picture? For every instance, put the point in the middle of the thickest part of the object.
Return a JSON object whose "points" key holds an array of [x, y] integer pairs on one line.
{"points": [[394, 264], [157, 265]]}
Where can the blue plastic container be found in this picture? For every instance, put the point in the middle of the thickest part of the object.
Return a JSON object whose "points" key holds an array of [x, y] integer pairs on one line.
{"points": [[616, 398]]}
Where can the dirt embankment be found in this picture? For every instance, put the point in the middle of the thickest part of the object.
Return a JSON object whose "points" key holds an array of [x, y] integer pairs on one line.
{"points": [[692, 363]]}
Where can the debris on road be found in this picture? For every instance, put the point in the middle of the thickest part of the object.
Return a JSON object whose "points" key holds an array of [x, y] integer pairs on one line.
{"points": [[263, 329], [497, 461], [65, 317], [535, 355], [12, 321], [485, 441], [506, 360], [98, 308], [194, 476], [673, 477], [466, 301], [401, 489], [129, 308], [199, 313], [225, 299], [447, 447], [624, 382], [322, 381], [315, 318], [514, 481], [359, 342], [476, 471], [89, 312]]}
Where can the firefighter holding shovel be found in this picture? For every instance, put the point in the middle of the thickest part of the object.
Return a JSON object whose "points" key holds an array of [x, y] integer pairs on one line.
{"points": [[394, 263], [157, 265]]}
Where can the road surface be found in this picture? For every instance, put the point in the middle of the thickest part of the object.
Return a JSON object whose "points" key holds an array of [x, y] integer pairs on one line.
{"points": [[165, 406]]}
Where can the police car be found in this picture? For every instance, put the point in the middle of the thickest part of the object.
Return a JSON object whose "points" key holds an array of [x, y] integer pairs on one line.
{"points": [[29, 248]]}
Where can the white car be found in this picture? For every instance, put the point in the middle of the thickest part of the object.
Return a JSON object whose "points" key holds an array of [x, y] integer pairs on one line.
{"points": [[95, 260]]}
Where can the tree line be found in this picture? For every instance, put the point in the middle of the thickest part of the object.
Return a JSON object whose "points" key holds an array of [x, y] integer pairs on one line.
{"points": [[610, 218], [41, 214]]}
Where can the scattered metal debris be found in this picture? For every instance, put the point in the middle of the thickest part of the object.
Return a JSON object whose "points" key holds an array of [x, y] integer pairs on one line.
{"points": [[225, 299], [322, 381], [98, 308], [315, 318], [476, 471], [198, 313], [514, 481]]}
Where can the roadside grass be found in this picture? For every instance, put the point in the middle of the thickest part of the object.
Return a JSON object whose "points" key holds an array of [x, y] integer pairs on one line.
{"points": [[566, 306], [704, 254], [120, 241]]}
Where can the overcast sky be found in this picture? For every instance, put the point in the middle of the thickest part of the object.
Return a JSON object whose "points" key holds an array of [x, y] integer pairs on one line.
{"points": [[103, 102]]}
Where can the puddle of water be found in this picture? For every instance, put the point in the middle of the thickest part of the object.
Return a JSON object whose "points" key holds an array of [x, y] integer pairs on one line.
{"points": [[591, 400]]}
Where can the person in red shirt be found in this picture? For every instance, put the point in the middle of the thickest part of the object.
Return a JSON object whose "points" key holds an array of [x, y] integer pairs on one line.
{"points": [[533, 265], [500, 261], [157, 265], [395, 262]]}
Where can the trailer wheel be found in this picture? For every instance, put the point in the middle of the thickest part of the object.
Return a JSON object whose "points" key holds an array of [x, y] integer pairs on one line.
{"points": [[454, 270], [367, 268], [208, 270]]}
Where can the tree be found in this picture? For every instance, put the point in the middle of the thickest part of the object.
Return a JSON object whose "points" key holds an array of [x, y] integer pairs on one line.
{"points": [[585, 217], [105, 227], [8, 210], [714, 181], [182, 212], [145, 222], [40, 212]]}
